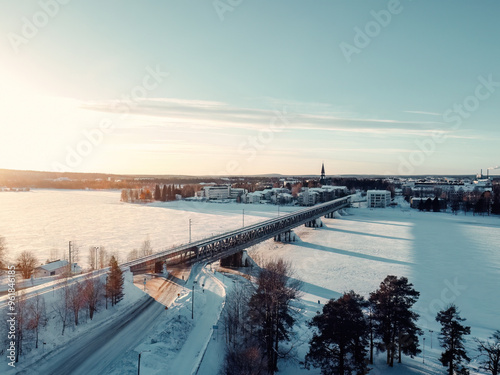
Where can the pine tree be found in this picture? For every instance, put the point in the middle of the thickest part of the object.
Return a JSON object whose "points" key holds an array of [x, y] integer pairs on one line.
{"points": [[157, 193], [395, 321], [115, 282], [451, 339], [269, 309], [339, 347]]}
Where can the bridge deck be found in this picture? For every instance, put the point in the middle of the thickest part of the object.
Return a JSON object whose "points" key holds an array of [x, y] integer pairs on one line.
{"points": [[226, 244]]}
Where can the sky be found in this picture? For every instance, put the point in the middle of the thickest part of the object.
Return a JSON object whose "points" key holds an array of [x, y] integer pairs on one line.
{"points": [[238, 87]]}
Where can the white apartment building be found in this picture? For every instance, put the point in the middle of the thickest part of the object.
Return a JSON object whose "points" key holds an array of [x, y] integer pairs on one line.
{"points": [[217, 191], [378, 198]]}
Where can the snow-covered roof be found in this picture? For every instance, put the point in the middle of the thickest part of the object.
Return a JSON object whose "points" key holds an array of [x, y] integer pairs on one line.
{"points": [[54, 265]]}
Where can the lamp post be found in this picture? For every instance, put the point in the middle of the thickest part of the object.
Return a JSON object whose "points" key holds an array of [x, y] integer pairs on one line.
{"points": [[431, 336], [192, 301], [106, 291], [423, 353], [243, 218], [189, 230], [139, 361]]}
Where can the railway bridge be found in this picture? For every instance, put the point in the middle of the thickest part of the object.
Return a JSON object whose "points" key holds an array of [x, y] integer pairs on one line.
{"points": [[227, 244]]}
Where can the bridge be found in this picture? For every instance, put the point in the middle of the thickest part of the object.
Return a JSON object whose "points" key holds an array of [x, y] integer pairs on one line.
{"points": [[230, 243]]}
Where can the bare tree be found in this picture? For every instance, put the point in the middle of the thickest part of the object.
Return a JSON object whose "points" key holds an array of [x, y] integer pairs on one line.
{"points": [[62, 306], [92, 293], [37, 315], [21, 318], [490, 353], [26, 262], [103, 257], [3, 247], [76, 300], [133, 255], [235, 314], [146, 248]]}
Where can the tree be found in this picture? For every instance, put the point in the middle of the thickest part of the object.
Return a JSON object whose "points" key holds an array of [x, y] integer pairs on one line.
{"points": [[164, 193], [339, 346], [92, 293], [428, 204], [490, 353], [21, 320], [26, 262], [61, 306], [395, 321], [146, 248], [269, 309], [124, 195], [421, 205], [132, 255], [37, 316], [235, 315], [115, 282], [436, 207], [76, 300], [452, 339], [3, 263], [157, 193]]}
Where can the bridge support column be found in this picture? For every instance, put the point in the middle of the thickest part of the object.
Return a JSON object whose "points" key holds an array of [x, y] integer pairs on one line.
{"points": [[331, 215], [236, 260], [316, 223], [288, 236]]}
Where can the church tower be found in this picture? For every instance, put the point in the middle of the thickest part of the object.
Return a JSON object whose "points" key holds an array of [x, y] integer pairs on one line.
{"points": [[322, 180]]}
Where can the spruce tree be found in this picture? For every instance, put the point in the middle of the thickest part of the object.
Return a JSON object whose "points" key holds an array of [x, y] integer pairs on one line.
{"points": [[452, 339], [157, 193], [115, 282]]}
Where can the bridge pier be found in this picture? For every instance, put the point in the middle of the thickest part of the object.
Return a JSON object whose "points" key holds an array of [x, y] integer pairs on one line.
{"points": [[288, 236], [331, 215], [316, 223], [239, 259]]}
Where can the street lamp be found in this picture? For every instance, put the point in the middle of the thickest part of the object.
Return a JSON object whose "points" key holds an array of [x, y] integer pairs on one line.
{"points": [[189, 230], [423, 353], [192, 301], [139, 361], [243, 218]]}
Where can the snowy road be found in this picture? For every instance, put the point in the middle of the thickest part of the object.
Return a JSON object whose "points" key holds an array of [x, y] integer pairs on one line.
{"points": [[94, 351]]}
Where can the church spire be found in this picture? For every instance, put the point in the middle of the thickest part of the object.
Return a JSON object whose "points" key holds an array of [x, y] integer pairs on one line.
{"points": [[322, 180]]}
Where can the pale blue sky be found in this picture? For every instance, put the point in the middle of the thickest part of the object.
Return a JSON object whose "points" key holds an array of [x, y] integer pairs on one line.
{"points": [[232, 75]]}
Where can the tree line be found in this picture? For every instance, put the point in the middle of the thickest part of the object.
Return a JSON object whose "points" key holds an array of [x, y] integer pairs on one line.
{"points": [[259, 319], [158, 193]]}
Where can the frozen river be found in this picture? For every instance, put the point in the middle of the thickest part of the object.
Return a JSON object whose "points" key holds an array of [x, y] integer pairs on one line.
{"points": [[44, 221]]}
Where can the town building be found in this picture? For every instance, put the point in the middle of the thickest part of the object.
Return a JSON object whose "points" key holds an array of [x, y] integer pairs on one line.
{"points": [[378, 198]]}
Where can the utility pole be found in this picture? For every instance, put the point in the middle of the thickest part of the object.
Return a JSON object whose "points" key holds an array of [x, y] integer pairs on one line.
{"points": [[243, 218], [69, 259], [189, 230]]}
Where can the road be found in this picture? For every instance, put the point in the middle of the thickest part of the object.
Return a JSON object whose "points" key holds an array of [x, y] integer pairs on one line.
{"points": [[96, 350]]}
